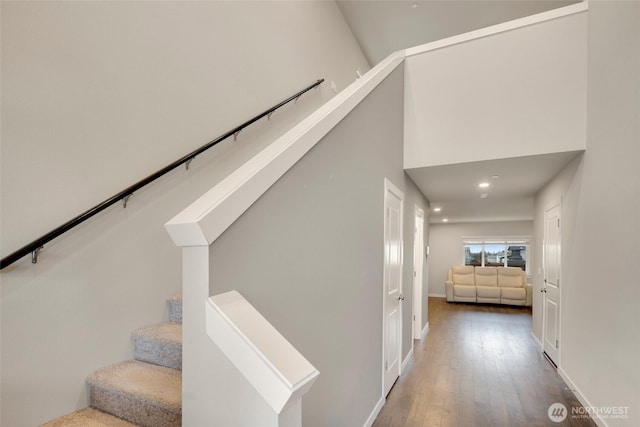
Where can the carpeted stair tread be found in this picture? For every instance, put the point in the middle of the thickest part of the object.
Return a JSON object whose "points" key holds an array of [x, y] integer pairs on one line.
{"points": [[88, 417], [159, 344], [174, 304], [142, 393]]}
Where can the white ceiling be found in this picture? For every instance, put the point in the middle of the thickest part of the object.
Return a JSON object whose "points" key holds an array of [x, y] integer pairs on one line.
{"points": [[382, 27], [454, 188]]}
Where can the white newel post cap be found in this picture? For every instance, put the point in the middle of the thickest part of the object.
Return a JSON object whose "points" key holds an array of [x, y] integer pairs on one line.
{"points": [[266, 359]]}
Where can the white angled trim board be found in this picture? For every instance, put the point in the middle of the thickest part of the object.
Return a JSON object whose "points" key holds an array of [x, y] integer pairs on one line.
{"points": [[207, 218], [499, 28], [266, 359]]}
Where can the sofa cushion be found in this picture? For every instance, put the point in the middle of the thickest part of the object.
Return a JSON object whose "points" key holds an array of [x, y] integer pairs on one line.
{"points": [[463, 275], [510, 276], [486, 276], [488, 291], [514, 293], [464, 291]]}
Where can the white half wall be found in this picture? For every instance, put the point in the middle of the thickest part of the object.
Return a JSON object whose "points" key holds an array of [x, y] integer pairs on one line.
{"points": [[514, 93], [308, 255]]}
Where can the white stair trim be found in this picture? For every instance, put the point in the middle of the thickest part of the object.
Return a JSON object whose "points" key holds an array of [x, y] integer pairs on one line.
{"points": [[499, 28], [201, 223], [264, 357]]}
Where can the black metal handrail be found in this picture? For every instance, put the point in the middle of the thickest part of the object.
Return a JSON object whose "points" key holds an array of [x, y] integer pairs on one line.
{"points": [[36, 245]]}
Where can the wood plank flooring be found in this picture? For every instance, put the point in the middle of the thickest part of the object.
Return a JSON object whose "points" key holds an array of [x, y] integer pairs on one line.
{"points": [[478, 367]]}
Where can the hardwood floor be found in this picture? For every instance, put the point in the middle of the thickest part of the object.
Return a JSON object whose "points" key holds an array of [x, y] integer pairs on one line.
{"points": [[479, 366]]}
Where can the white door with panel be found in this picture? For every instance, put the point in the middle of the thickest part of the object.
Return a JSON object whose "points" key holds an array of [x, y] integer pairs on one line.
{"points": [[392, 300], [551, 287], [418, 259]]}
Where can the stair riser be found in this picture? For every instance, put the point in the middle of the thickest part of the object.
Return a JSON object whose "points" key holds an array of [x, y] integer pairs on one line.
{"points": [[133, 409], [175, 310], [158, 353]]}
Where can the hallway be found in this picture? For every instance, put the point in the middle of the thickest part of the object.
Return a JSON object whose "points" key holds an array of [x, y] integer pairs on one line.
{"points": [[478, 366]]}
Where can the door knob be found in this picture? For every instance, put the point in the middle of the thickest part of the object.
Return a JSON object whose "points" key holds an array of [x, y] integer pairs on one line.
{"points": [[401, 297]]}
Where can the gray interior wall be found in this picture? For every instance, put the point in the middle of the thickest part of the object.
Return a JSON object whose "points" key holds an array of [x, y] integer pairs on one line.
{"points": [[309, 256], [96, 95], [413, 196], [446, 245], [599, 334]]}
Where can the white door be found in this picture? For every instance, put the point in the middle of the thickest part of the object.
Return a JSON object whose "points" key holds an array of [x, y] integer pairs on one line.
{"points": [[392, 328], [551, 287], [418, 259]]}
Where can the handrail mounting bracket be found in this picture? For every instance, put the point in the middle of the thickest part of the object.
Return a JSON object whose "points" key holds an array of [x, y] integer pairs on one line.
{"points": [[125, 199], [34, 254]]}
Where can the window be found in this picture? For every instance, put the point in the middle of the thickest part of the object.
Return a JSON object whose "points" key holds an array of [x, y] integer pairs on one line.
{"points": [[496, 253]]}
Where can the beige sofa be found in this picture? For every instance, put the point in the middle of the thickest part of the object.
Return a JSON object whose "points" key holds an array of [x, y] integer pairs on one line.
{"points": [[494, 285]]}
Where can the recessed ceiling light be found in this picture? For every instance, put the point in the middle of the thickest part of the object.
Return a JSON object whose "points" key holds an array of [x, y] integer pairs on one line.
{"points": [[414, 5], [445, 219], [495, 176], [484, 185], [437, 209]]}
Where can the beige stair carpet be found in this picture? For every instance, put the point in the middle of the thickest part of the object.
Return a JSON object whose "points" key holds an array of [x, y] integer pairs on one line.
{"points": [[88, 417], [142, 393], [146, 392]]}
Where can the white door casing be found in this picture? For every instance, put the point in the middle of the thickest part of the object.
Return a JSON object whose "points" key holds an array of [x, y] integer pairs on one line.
{"points": [[551, 286], [418, 259], [392, 281]]}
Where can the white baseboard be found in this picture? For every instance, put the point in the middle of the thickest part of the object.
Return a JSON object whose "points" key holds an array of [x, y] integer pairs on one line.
{"points": [[380, 404], [406, 361], [583, 400], [425, 331], [537, 341], [438, 295], [375, 412]]}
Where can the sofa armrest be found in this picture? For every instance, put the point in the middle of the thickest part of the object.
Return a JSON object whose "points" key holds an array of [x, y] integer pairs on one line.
{"points": [[449, 288], [529, 289]]}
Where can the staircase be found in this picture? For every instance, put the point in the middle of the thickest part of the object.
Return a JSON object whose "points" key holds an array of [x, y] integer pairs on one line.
{"points": [[146, 391]]}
